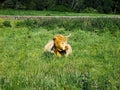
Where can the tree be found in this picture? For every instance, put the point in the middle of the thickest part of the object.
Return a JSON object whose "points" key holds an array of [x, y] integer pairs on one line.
{"points": [[102, 6], [44, 4], [73, 5], [76, 5], [116, 6], [107, 6]]}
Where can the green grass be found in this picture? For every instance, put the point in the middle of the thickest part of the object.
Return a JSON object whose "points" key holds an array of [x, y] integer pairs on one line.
{"points": [[93, 65], [47, 13]]}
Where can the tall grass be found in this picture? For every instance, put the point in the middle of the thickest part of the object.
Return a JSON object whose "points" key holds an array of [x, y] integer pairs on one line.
{"points": [[93, 64], [97, 25]]}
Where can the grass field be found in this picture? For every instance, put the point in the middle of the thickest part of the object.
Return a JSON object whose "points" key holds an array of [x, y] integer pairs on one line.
{"points": [[48, 13], [93, 65]]}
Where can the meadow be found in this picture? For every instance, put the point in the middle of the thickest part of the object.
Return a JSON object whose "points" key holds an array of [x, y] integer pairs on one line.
{"points": [[48, 13], [93, 65]]}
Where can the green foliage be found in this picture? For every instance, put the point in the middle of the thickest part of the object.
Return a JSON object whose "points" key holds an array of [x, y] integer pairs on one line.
{"points": [[7, 23], [46, 13], [60, 8], [98, 25], [27, 23], [8, 4], [101, 6], [90, 10]]}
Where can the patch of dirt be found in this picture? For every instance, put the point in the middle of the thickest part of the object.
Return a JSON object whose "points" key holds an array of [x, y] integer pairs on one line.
{"points": [[49, 17]]}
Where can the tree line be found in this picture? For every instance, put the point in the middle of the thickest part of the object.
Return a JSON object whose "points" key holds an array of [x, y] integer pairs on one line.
{"points": [[87, 6]]}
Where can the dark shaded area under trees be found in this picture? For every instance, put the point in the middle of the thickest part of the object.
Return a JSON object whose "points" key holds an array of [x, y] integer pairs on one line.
{"points": [[87, 6]]}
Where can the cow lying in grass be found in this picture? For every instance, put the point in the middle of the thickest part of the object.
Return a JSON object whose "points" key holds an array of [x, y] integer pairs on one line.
{"points": [[59, 46]]}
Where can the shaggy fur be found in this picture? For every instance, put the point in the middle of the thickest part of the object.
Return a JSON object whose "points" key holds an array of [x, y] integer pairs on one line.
{"points": [[58, 46]]}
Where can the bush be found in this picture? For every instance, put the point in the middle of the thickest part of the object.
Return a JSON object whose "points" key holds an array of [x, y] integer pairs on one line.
{"points": [[60, 8], [50, 24], [88, 24], [7, 24], [28, 23], [98, 25], [89, 10]]}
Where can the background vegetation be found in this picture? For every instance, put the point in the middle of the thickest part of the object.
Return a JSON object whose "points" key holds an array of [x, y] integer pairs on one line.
{"points": [[88, 6], [93, 65], [14, 12]]}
